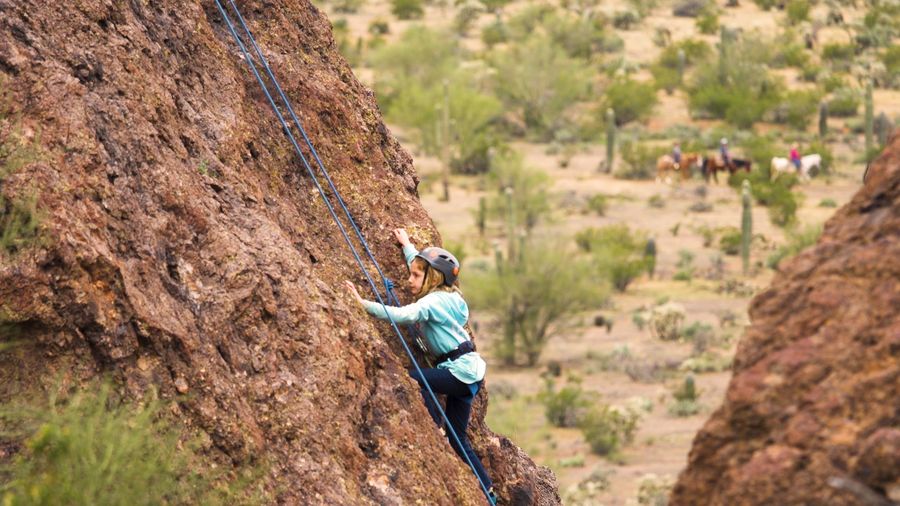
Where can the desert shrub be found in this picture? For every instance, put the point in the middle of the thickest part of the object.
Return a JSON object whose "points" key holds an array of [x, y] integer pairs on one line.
{"points": [[797, 11], [379, 27], [765, 4], [730, 241], [93, 448], [536, 295], [684, 266], [838, 52], [410, 84], [656, 201], [666, 321], [797, 108], [579, 36], [617, 253], [797, 240], [407, 9], [827, 202], [708, 21], [689, 8], [775, 194], [706, 362], [891, 60], [540, 81], [607, 429], [738, 87], [347, 6], [566, 406], [466, 15], [632, 100], [494, 33], [639, 160], [654, 490], [844, 103], [517, 192], [598, 204], [701, 335], [665, 69]]}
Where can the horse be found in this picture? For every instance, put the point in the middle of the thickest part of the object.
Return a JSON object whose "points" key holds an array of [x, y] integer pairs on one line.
{"points": [[713, 164], [666, 164], [808, 163]]}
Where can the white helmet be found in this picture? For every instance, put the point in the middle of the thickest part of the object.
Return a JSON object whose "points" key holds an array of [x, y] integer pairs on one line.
{"points": [[724, 140]]}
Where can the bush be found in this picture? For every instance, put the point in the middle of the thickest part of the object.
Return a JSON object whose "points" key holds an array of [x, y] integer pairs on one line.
{"points": [[566, 407], [708, 21], [493, 34], [656, 201], [797, 241], [407, 9], [775, 194], [598, 204], [617, 253], [95, 449], [765, 4], [845, 103], [625, 20], [685, 266], [797, 108], [379, 27], [891, 60], [838, 52], [730, 241], [640, 160], [666, 320], [348, 6], [689, 8], [466, 15], [606, 429], [632, 100], [828, 202], [797, 11], [538, 80]]}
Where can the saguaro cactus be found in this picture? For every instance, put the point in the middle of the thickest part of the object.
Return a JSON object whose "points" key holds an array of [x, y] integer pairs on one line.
{"points": [[650, 256], [445, 120], [746, 225], [870, 114], [882, 129], [610, 138], [681, 60], [481, 217], [823, 119], [723, 55]]}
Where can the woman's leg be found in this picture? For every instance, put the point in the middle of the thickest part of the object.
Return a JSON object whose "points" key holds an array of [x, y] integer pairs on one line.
{"points": [[458, 411], [441, 381]]}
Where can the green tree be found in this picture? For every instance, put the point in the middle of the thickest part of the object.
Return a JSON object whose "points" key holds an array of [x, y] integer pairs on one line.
{"points": [[536, 296], [540, 81], [617, 253]]}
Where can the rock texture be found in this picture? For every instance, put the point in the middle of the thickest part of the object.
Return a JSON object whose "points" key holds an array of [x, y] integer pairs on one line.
{"points": [[186, 249], [816, 387]]}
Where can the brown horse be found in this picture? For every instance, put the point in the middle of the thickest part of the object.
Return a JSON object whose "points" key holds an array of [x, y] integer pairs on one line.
{"points": [[713, 164], [666, 165]]}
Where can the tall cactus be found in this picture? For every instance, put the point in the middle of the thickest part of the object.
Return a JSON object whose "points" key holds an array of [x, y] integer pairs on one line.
{"points": [[448, 137], [746, 226], [650, 256], [823, 120], [610, 138], [883, 129], [481, 217], [723, 55], [681, 61], [870, 114]]}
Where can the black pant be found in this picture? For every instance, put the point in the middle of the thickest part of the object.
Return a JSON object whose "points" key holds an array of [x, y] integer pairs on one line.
{"points": [[459, 406]]}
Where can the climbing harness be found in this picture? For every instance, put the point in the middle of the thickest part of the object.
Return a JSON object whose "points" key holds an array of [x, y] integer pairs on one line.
{"points": [[287, 130]]}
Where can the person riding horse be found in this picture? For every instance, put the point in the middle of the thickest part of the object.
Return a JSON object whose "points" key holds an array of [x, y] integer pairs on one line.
{"points": [[723, 152]]}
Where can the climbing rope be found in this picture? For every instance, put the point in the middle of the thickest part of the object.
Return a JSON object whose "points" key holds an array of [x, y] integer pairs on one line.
{"points": [[287, 130]]}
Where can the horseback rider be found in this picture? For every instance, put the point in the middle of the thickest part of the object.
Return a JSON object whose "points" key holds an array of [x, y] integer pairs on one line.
{"points": [[723, 152], [676, 155], [795, 156]]}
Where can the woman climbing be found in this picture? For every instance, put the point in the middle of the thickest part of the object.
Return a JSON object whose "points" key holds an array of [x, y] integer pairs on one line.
{"points": [[440, 313]]}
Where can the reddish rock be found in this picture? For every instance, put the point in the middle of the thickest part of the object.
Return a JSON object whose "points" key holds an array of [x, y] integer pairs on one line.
{"points": [[185, 247], [816, 388]]}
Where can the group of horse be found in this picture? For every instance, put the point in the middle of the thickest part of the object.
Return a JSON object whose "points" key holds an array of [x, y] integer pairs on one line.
{"points": [[667, 169], [709, 166]]}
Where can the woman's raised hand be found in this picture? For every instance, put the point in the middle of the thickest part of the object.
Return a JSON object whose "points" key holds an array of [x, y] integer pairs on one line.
{"points": [[401, 236], [351, 288]]}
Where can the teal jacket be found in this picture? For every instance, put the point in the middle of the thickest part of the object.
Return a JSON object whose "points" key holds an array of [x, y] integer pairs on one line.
{"points": [[440, 317]]}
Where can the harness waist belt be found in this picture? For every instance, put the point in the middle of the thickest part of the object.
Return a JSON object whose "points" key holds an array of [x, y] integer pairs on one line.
{"points": [[462, 349]]}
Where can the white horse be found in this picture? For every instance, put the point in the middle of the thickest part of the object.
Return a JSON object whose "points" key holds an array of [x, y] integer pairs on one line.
{"points": [[807, 164]]}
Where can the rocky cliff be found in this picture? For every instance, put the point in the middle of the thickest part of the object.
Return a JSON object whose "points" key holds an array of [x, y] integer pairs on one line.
{"points": [[812, 414], [184, 247]]}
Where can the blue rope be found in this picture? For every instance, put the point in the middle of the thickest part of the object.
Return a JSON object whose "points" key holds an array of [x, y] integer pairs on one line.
{"points": [[388, 285], [331, 210]]}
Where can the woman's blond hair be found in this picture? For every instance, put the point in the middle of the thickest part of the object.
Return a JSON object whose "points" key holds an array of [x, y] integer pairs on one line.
{"points": [[434, 280]]}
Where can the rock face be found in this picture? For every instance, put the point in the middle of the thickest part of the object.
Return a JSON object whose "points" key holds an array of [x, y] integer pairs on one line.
{"points": [[186, 249], [816, 387]]}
